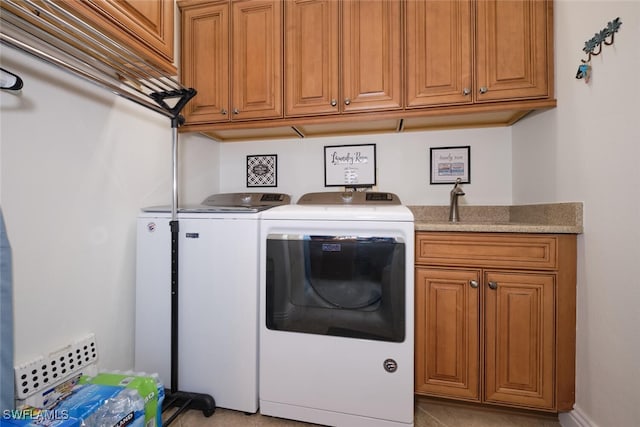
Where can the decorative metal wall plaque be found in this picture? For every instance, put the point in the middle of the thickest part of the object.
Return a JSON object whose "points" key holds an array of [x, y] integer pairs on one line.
{"points": [[262, 170]]}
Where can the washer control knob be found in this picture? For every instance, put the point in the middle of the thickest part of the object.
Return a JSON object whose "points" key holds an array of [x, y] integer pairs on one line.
{"points": [[390, 365]]}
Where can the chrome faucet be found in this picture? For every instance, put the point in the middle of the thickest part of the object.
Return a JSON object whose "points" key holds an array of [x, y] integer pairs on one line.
{"points": [[456, 192]]}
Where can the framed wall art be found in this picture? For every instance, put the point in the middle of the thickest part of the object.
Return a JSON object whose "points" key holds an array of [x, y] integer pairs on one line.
{"points": [[262, 170], [350, 165], [449, 164]]}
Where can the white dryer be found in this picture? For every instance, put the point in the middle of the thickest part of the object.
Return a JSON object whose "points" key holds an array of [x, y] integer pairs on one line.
{"points": [[336, 310], [218, 296]]}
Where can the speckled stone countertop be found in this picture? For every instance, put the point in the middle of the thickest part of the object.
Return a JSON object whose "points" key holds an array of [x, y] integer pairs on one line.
{"points": [[564, 218]]}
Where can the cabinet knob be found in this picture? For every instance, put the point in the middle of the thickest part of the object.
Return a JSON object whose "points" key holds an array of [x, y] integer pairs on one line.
{"points": [[334, 102], [466, 91], [236, 111], [473, 284], [223, 112], [347, 101], [483, 89], [493, 285]]}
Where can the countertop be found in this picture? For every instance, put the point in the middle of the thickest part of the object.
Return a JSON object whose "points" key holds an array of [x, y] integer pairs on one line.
{"points": [[556, 218]]}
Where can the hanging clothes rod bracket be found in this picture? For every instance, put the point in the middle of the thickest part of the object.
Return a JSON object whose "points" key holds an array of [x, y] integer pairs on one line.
{"points": [[183, 96]]}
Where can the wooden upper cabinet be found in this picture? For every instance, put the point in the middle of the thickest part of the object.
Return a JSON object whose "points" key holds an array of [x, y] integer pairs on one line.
{"points": [[256, 49], [205, 61], [342, 56], [371, 55], [512, 43], [314, 67], [232, 56], [514, 49], [311, 57], [144, 26], [439, 54]]}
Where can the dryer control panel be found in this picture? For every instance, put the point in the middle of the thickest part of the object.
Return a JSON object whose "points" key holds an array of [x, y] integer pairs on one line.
{"points": [[349, 198]]}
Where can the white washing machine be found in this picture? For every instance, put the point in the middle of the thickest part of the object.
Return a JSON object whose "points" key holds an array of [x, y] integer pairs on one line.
{"points": [[218, 296], [336, 310]]}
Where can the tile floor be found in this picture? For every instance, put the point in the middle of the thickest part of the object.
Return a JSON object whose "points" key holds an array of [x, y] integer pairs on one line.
{"points": [[427, 414]]}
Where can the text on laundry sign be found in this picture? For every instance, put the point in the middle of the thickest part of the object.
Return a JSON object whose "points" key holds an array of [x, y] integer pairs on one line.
{"points": [[349, 158]]}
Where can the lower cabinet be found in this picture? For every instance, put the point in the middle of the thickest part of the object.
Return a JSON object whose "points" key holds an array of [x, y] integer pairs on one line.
{"points": [[495, 318], [447, 332]]}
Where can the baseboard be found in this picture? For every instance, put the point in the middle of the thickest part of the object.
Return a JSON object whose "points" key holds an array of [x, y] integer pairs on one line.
{"points": [[575, 418]]}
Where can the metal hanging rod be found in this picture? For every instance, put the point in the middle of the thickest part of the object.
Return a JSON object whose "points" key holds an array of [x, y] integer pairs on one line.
{"points": [[51, 33]]}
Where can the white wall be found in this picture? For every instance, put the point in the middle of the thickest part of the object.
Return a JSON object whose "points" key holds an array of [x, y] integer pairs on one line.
{"points": [[588, 150], [76, 164], [402, 164]]}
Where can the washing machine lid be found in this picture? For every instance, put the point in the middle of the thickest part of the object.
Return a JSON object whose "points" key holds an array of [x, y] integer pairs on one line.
{"points": [[343, 206], [246, 202], [363, 198], [255, 200]]}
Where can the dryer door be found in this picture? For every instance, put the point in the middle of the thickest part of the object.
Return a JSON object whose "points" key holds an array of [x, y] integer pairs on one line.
{"points": [[346, 286]]}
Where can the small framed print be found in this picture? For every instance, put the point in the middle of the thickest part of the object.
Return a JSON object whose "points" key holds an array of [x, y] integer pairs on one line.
{"points": [[350, 165], [450, 163], [262, 170]]}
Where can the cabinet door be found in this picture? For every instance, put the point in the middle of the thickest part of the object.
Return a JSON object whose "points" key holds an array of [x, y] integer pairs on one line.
{"points": [[311, 57], [519, 338], [144, 26], [447, 331], [371, 55], [205, 62], [257, 59], [513, 38], [438, 40]]}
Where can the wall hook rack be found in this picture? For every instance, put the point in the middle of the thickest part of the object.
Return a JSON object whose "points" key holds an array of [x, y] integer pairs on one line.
{"points": [[601, 37], [605, 36]]}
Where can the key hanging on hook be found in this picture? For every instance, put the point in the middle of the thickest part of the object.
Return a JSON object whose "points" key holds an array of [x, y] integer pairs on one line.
{"points": [[584, 71]]}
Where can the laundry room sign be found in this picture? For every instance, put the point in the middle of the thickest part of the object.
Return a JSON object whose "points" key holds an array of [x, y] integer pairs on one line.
{"points": [[450, 163], [350, 165]]}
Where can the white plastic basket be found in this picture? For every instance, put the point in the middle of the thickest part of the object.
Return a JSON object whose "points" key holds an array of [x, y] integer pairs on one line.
{"points": [[46, 372]]}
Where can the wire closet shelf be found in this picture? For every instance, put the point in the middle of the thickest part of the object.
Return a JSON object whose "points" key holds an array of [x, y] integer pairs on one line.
{"points": [[50, 32]]}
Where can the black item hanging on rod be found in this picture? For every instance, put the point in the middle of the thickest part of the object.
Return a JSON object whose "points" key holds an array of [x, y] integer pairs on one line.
{"points": [[42, 30], [10, 81]]}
